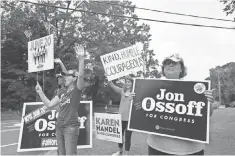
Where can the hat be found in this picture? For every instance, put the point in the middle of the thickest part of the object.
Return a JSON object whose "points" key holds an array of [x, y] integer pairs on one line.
{"points": [[58, 75], [175, 58], [69, 73], [129, 78]]}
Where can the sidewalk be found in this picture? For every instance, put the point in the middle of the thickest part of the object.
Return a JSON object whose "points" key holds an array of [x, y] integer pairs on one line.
{"points": [[100, 147], [222, 138], [10, 115]]}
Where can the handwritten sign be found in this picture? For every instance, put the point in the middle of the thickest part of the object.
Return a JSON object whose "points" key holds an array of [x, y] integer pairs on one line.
{"points": [[123, 62], [41, 54]]}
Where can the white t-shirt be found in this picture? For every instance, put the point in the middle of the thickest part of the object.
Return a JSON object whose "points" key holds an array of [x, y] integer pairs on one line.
{"points": [[173, 145]]}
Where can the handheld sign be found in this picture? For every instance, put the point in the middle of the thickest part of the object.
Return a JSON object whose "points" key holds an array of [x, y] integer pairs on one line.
{"points": [[123, 62], [171, 108], [108, 127], [41, 54], [38, 132]]}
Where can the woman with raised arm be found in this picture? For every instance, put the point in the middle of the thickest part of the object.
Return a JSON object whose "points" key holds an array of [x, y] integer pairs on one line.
{"points": [[67, 122], [124, 108]]}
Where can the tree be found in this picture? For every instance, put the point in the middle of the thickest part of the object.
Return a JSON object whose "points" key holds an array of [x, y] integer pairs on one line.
{"points": [[99, 35], [227, 82], [229, 6]]}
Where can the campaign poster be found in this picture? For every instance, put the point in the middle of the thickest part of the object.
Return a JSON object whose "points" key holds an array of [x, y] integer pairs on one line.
{"points": [[38, 123], [123, 62], [108, 127], [41, 54], [171, 108]]}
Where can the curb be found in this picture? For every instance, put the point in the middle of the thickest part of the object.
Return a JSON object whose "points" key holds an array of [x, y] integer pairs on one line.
{"points": [[52, 152]]}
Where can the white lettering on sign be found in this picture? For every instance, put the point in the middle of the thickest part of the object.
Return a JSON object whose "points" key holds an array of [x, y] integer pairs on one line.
{"points": [[28, 117], [45, 125], [149, 104], [42, 124], [82, 121]]}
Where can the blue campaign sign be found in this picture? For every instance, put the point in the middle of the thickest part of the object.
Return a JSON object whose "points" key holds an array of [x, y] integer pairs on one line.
{"points": [[38, 131], [171, 108]]}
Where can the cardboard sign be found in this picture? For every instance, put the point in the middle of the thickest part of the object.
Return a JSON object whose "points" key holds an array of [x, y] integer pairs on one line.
{"points": [[108, 127], [38, 129], [123, 62], [171, 108], [41, 54]]}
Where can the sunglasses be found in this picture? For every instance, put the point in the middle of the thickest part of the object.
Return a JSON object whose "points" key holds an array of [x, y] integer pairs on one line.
{"points": [[70, 75]]}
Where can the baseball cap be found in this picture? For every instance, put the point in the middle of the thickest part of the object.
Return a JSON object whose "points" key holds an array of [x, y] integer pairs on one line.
{"points": [[58, 75], [69, 73], [174, 57]]}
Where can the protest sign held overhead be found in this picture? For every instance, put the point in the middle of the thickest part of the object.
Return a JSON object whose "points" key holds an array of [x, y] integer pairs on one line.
{"points": [[38, 127], [41, 54], [171, 108], [123, 62], [108, 127]]}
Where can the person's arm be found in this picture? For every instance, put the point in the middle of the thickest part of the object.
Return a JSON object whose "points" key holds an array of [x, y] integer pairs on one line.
{"points": [[211, 109], [80, 57], [115, 88], [57, 60], [50, 104], [210, 98]]}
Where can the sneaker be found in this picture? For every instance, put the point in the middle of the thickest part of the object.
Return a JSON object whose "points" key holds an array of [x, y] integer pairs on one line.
{"points": [[118, 153]]}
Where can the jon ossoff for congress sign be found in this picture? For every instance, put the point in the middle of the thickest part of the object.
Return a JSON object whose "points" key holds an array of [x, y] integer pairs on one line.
{"points": [[38, 127], [176, 109]]}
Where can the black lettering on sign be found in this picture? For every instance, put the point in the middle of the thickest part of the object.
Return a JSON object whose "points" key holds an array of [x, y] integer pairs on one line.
{"points": [[111, 58], [128, 65]]}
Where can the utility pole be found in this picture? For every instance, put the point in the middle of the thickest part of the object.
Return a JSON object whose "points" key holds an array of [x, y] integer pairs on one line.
{"points": [[218, 73]]}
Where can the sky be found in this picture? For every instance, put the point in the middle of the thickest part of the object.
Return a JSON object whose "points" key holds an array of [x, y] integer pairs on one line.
{"points": [[201, 48]]}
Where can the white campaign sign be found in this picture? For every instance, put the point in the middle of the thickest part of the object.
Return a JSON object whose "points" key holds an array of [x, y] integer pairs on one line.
{"points": [[108, 127], [123, 62], [41, 54]]}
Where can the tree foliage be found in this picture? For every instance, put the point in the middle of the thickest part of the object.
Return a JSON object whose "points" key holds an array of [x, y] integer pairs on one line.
{"points": [[229, 6], [227, 82], [97, 33]]}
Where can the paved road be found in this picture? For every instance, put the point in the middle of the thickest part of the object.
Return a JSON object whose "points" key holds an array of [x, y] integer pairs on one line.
{"points": [[10, 129], [222, 138]]}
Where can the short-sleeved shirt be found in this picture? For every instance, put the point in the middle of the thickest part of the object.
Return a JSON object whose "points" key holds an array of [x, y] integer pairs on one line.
{"points": [[69, 107], [56, 92]]}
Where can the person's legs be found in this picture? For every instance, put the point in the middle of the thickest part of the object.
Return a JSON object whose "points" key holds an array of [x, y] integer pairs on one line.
{"points": [[60, 141], [127, 137], [120, 145], [71, 139], [127, 141], [152, 151]]}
